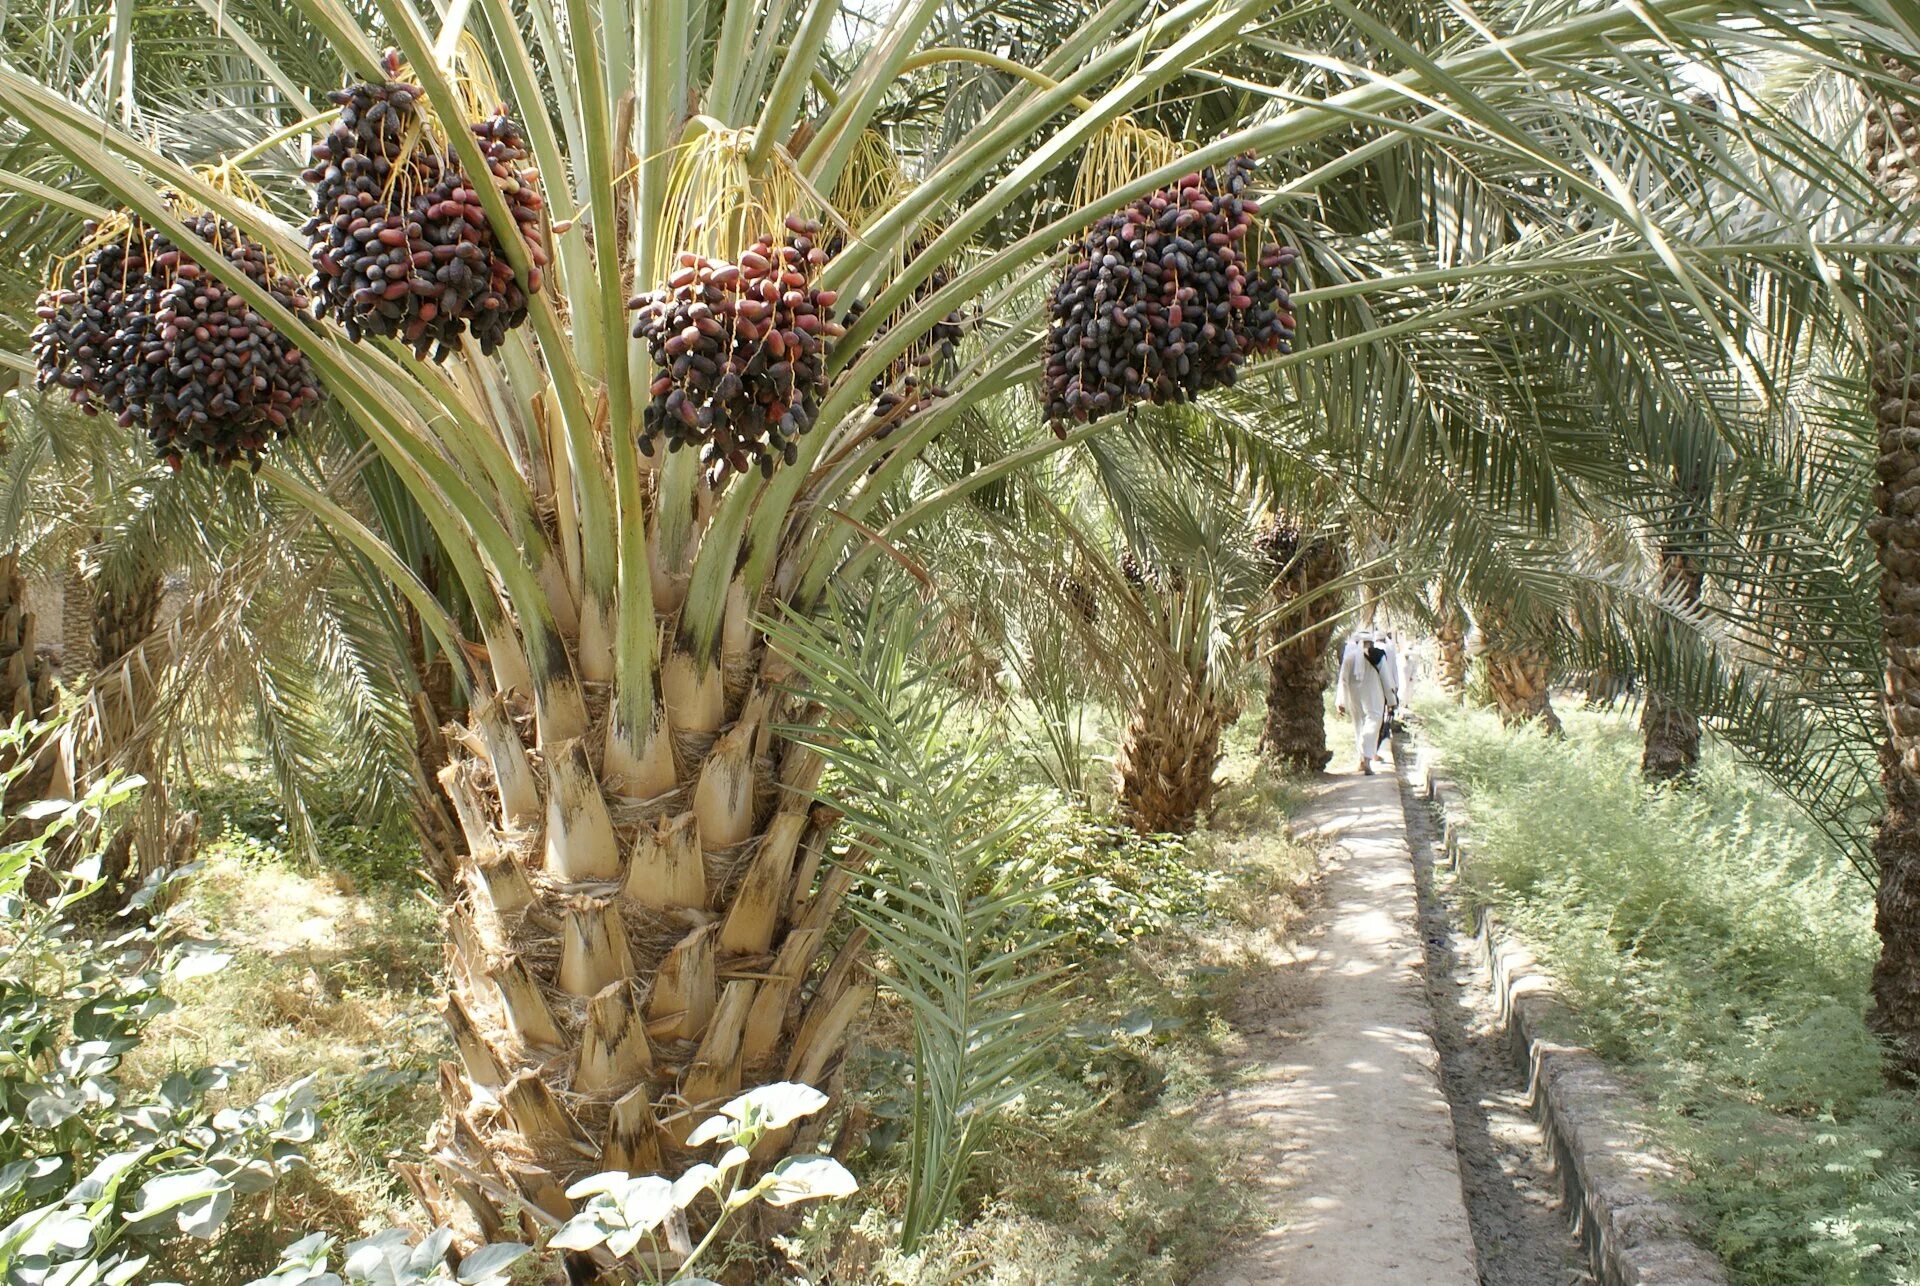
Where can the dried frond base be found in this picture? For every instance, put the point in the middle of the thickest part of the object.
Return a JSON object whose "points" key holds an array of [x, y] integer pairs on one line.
{"points": [[1166, 761]]}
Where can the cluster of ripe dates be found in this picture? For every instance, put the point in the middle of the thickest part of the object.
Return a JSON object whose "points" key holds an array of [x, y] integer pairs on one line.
{"points": [[741, 350], [142, 331], [1168, 298], [399, 240]]}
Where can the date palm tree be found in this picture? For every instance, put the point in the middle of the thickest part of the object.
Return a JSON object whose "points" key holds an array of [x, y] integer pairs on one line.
{"points": [[1892, 136], [1307, 565], [1189, 593], [642, 921]]}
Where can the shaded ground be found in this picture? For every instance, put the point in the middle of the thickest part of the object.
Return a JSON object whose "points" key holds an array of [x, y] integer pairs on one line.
{"points": [[1339, 1101]]}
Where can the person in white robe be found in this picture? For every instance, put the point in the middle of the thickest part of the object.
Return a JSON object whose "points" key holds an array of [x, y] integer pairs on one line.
{"points": [[1361, 693], [1390, 674]]}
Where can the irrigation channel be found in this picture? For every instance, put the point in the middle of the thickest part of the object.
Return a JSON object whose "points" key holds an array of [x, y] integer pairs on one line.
{"points": [[1391, 1118]]}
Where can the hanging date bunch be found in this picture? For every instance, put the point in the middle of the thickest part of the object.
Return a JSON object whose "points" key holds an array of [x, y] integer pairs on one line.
{"points": [[909, 383], [1142, 575], [907, 386], [1167, 299], [142, 330], [740, 350], [400, 243]]}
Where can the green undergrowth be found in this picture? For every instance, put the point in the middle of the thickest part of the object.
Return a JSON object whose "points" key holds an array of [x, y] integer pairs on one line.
{"points": [[335, 832], [333, 972], [1107, 1171], [1104, 1172], [1717, 949]]}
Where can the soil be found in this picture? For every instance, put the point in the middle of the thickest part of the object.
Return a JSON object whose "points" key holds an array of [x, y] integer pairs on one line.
{"points": [[1376, 1091], [1521, 1229]]}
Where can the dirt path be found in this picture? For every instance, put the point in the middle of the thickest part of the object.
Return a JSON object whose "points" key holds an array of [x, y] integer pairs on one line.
{"points": [[1345, 1111], [1520, 1226]]}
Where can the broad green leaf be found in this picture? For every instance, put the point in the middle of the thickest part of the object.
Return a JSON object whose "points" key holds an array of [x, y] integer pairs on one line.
{"points": [[202, 1218], [594, 1185], [175, 1190], [61, 1103], [582, 1232], [686, 1189], [800, 1179], [777, 1105], [490, 1261]]}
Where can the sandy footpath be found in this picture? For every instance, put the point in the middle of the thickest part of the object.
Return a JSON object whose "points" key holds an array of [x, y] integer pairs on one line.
{"points": [[1344, 1110]]}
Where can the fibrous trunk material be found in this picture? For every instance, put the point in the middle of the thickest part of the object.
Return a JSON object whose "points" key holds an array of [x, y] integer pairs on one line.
{"points": [[1520, 677], [76, 625], [1295, 735], [1893, 143], [622, 959], [1167, 758], [127, 660], [124, 616], [1671, 732], [1672, 740], [1451, 636], [26, 681], [432, 707]]}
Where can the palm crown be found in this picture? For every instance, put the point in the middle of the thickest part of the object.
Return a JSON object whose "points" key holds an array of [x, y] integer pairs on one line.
{"points": [[635, 928]]}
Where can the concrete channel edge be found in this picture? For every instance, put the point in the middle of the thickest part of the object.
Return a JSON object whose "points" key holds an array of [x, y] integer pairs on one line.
{"points": [[1609, 1173]]}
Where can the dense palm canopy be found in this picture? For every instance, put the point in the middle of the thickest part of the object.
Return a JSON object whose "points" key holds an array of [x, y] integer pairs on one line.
{"points": [[1555, 262]]}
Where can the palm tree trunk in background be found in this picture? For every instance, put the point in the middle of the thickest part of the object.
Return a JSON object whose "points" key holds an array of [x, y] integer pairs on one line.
{"points": [[26, 692], [433, 707], [1519, 675], [1295, 735], [1893, 154], [638, 942], [124, 618], [1451, 635], [125, 658], [76, 627], [1168, 755], [26, 680], [1671, 732]]}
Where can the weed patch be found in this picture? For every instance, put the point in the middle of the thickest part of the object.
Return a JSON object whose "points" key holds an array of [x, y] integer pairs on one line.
{"points": [[1718, 950]]}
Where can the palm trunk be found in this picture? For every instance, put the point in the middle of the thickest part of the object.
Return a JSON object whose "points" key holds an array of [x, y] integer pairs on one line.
{"points": [[26, 680], [1671, 731], [1519, 677], [433, 706], [1295, 735], [1672, 740], [126, 660], [124, 617], [1451, 634], [26, 693], [1169, 753], [649, 956], [76, 627], [1893, 143]]}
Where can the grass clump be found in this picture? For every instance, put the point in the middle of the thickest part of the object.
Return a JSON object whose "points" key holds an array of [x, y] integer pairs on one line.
{"points": [[1717, 948], [1108, 1168], [331, 975]]}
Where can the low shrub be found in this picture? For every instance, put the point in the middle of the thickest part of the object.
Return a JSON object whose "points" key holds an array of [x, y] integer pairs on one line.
{"points": [[1718, 949], [100, 1172]]}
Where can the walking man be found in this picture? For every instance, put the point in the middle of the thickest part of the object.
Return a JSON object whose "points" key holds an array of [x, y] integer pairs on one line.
{"points": [[1363, 692]]}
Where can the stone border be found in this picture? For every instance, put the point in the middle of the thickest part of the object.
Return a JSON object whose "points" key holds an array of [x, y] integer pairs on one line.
{"points": [[1608, 1169]]}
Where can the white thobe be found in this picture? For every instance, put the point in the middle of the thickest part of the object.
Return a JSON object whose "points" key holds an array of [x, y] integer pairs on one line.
{"points": [[1365, 698], [1390, 674]]}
